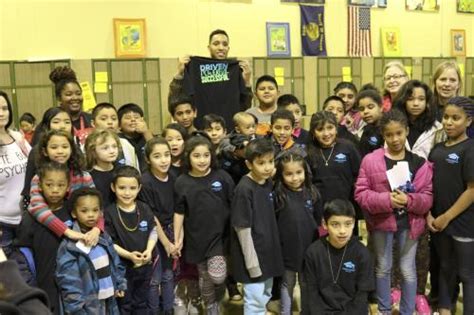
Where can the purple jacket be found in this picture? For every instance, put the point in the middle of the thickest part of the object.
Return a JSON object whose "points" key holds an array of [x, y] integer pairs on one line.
{"points": [[372, 193]]}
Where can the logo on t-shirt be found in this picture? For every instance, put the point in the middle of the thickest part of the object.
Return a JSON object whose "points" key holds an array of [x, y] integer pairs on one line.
{"points": [[373, 140], [69, 223], [227, 164], [349, 267], [270, 197], [453, 158], [216, 186], [214, 72], [143, 226], [309, 204], [340, 158]]}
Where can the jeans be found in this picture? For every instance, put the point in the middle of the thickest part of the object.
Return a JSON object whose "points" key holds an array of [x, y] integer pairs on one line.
{"points": [[456, 260], [287, 286], [256, 297], [136, 299], [162, 284], [383, 243]]}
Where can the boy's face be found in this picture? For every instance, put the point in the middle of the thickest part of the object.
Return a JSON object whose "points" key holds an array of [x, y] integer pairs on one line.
{"points": [[246, 126], [340, 229], [216, 132], [87, 211], [54, 186], [126, 189], [129, 122], [26, 126], [184, 115], [266, 93], [296, 110], [106, 118], [262, 167], [281, 131], [337, 108]]}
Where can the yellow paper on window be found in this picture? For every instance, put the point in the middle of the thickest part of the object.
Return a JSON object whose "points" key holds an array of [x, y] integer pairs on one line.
{"points": [[346, 74], [409, 70], [100, 87], [461, 69], [279, 71], [88, 97], [280, 81], [101, 76]]}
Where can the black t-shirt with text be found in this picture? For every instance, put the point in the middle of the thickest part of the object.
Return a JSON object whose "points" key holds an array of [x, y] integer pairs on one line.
{"points": [[216, 86], [453, 170]]}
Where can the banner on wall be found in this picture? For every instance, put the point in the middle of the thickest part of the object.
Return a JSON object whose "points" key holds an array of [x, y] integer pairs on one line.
{"points": [[313, 39]]}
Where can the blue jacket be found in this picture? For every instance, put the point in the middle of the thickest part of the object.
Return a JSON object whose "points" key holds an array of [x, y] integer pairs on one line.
{"points": [[77, 279]]}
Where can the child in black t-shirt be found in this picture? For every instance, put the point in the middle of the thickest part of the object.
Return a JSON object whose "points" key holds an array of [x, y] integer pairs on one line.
{"points": [[335, 105], [282, 124], [131, 224], [133, 128], [215, 127], [255, 245], [298, 210], [203, 197], [175, 135], [291, 103], [183, 111], [102, 149], [452, 218], [369, 103], [44, 244], [157, 191], [338, 268]]}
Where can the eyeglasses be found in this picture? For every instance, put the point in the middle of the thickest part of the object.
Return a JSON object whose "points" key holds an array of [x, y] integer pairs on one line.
{"points": [[394, 77]]}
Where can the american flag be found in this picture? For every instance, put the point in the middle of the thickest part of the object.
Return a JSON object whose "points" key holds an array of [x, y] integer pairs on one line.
{"points": [[360, 44]]}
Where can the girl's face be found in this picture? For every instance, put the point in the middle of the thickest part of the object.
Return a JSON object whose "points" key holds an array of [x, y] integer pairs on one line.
{"points": [[160, 159], [54, 186], [71, 98], [58, 149], [416, 103], [395, 135], [107, 151], [4, 113], [447, 84], [337, 108], [455, 122], [293, 175], [200, 160], [175, 141], [393, 80], [370, 110], [61, 121], [348, 96], [26, 126], [325, 134]]}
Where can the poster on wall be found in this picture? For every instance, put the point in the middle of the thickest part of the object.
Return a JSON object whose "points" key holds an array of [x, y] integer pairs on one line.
{"points": [[465, 6], [130, 38], [306, 1], [278, 40], [313, 39], [458, 43], [391, 46], [422, 5], [369, 3]]}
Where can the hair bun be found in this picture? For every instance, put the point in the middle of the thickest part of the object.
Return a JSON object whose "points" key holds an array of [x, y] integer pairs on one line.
{"points": [[62, 73]]}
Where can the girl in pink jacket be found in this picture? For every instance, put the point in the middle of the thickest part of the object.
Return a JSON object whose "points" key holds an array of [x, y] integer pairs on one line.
{"points": [[397, 212]]}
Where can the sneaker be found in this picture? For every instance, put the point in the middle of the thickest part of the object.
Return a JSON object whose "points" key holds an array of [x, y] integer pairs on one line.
{"points": [[234, 294], [194, 307], [396, 296], [422, 306]]}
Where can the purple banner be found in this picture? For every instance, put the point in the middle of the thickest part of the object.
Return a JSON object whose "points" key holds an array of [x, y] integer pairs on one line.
{"points": [[313, 39]]}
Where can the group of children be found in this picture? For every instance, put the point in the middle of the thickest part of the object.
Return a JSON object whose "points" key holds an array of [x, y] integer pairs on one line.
{"points": [[146, 222]]}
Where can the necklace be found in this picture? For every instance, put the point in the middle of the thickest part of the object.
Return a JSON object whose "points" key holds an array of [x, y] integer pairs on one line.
{"points": [[334, 280], [123, 223], [326, 161]]}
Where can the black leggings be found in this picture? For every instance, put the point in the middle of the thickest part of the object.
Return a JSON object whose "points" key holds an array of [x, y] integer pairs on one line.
{"points": [[456, 260]]}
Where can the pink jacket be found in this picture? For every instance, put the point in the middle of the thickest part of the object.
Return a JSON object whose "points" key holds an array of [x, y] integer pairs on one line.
{"points": [[372, 193]]}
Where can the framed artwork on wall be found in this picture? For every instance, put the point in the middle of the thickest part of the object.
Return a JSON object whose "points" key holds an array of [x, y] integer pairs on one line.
{"points": [[278, 40], [465, 6], [422, 5], [391, 41], [458, 43], [130, 38], [369, 3]]}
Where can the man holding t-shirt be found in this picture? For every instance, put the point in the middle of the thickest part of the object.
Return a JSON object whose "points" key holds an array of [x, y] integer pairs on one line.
{"points": [[200, 86]]}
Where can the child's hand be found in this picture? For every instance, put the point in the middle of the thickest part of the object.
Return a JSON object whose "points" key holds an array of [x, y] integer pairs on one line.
{"points": [[91, 238], [119, 294], [401, 197], [348, 121], [395, 203], [136, 258], [170, 249], [73, 235], [441, 222], [146, 256], [429, 221], [141, 126]]}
